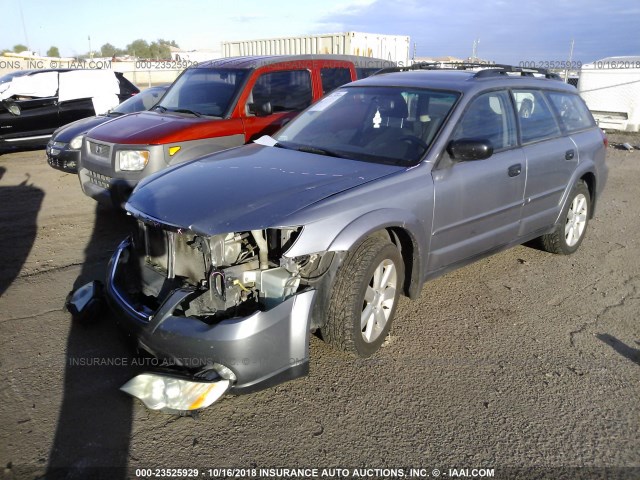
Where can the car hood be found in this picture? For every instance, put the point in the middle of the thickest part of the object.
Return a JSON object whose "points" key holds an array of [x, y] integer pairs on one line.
{"points": [[155, 128], [247, 188], [67, 132]]}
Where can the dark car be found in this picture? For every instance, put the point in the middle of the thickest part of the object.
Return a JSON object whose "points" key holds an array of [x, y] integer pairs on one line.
{"points": [[382, 185], [33, 103], [63, 150]]}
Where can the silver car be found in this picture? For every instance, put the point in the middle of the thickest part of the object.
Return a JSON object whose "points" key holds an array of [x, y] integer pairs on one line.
{"points": [[382, 185]]}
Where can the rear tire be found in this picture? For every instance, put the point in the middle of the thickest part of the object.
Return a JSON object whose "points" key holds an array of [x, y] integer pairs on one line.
{"points": [[364, 298], [569, 233]]}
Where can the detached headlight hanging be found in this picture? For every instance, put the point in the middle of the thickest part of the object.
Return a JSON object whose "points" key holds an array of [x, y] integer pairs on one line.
{"points": [[174, 394], [132, 160]]}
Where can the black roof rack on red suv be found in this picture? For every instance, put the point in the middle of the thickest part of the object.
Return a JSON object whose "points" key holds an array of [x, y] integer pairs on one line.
{"points": [[488, 69]]}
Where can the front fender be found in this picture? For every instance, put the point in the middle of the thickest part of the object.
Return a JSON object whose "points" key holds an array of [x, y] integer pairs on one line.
{"points": [[406, 231], [356, 231], [198, 148]]}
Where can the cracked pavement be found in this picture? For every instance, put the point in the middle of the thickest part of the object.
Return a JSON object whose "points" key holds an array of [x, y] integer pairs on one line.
{"points": [[524, 359]]}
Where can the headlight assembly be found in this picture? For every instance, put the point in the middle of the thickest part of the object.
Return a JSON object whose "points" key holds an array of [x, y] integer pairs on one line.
{"points": [[173, 394], [132, 160], [76, 142]]}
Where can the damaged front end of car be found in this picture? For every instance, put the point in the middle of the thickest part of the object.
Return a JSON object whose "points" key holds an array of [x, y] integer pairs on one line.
{"points": [[228, 312]]}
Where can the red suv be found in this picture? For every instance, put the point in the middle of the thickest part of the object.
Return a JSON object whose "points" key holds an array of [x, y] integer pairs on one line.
{"points": [[213, 106]]}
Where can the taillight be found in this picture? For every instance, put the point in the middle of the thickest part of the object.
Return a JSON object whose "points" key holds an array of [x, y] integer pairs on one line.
{"points": [[605, 140]]}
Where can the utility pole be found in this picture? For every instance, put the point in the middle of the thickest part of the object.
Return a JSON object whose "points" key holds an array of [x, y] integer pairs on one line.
{"points": [[24, 27], [474, 52], [566, 72], [90, 54]]}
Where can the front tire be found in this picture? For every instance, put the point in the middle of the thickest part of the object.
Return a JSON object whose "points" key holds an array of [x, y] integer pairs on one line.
{"points": [[364, 298], [568, 234]]}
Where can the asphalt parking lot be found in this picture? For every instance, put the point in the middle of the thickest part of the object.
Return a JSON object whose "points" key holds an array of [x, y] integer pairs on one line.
{"points": [[526, 362]]}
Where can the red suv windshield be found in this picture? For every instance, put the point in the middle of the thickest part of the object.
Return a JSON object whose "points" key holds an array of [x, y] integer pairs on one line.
{"points": [[204, 91]]}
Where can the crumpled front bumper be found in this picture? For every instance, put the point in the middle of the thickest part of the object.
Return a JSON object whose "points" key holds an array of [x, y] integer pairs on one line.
{"points": [[262, 349]]}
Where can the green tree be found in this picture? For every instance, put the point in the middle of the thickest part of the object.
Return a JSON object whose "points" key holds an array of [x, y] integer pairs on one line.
{"points": [[108, 50], [159, 50], [53, 52], [139, 48], [19, 48], [170, 43]]}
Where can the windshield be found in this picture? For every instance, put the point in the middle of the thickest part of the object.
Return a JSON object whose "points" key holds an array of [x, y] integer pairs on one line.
{"points": [[142, 101], [377, 124], [204, 91], [10, 76]]}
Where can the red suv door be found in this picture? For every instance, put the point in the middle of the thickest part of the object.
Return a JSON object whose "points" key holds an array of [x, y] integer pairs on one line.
{"points": [[278, 92]]}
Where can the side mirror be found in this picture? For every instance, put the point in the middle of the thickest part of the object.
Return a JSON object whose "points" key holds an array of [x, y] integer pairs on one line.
{"points": [[13, 108], [261, 109], [463, 150]]}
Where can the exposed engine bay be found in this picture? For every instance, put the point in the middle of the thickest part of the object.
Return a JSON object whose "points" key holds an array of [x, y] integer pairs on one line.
{"points": [[233, 274]]}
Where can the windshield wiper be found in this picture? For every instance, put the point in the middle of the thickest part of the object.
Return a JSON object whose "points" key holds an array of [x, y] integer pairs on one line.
{"points": [[160, 107], [186, 110], [320, 151]]}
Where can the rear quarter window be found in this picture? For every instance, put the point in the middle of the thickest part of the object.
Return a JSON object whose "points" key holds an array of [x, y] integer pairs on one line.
{"points": [[571, 110]]}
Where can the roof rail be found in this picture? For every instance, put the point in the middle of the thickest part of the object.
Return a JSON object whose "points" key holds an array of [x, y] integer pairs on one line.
{"points": [[487, 69]]}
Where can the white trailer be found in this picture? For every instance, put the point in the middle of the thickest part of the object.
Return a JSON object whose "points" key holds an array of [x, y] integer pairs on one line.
{"points": [[394, 48], [611, 89]]}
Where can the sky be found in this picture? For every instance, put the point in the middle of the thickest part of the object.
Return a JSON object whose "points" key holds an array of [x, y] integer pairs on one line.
{"points": [[505, 31]]}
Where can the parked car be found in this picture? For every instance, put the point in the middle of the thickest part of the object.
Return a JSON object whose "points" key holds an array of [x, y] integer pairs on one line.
{"points": [[33, 103], [63, 149], [211, 107], [384, 184]]}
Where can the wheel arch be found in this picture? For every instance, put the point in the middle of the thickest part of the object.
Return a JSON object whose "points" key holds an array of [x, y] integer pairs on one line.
{"points": [[587, 176], [590, 179], [402, 229]]}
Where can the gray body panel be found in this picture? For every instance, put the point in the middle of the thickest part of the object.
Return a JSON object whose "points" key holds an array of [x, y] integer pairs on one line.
{"points": [[477, 207], [249, 187], [548, 174]]}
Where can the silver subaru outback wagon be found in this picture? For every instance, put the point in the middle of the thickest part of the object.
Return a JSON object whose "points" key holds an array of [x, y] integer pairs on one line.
{"points": [[382, 185]]}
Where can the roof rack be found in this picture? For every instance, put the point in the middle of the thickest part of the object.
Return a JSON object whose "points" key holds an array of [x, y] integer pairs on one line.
{"points": [[487, 69]]}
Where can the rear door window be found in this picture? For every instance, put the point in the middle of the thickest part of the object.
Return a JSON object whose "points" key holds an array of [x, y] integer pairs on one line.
{"points": [[572, 111], [333, 78], [537, 120], [287, 90]]}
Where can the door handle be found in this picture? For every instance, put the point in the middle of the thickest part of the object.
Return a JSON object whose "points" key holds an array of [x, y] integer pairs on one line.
{"points": [[569, 154], [515, 170]]}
